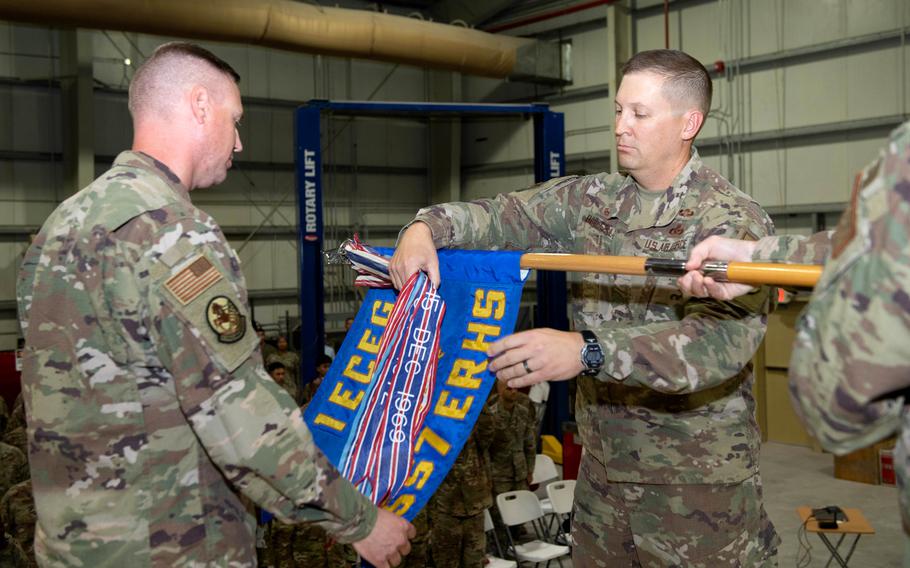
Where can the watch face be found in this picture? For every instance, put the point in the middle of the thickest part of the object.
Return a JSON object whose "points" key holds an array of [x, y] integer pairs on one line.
{"points": [[594, 356]]}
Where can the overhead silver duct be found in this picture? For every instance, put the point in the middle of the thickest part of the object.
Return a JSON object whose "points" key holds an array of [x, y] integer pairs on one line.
{"points": [[295, 26]]}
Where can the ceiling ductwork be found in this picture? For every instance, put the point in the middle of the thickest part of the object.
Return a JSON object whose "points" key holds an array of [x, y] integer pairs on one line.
{"points": [[296, 26]]}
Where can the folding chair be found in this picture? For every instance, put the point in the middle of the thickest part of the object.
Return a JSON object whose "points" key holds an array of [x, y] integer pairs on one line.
{"points": [[562, 495], [544, 470], [495, 561], [517, 508]]}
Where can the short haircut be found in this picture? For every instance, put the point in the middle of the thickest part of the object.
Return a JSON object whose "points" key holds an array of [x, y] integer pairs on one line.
{"points": [[274, 366], [686, 79], [173, 67], [323, 359]]}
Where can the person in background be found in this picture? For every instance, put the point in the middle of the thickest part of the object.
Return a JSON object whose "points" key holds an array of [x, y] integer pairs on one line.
{"points": [[456, 509], [665, 407], [279, 374], [288, 358], [150, 415], [323, 363], [265, 347], [512, 444], [850, 365]]}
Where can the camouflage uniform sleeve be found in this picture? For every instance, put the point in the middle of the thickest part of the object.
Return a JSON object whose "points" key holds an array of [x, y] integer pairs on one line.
{"points": [[850, 366], [712, 342], [484, 429], [529, 442], [249, 426], [25, 282], [542, 217], [794, 249]]}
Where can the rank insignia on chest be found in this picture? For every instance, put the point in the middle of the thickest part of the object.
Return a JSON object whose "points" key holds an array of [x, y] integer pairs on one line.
{"points": [[676, 230], [225, 319]]}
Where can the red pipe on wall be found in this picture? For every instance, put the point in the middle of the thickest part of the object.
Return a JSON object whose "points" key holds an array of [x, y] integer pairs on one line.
{"points": [[547, 16], [666, 24]]}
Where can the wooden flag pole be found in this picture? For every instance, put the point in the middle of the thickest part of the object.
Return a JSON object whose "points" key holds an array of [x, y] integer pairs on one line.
{"points": [[757, 274]]}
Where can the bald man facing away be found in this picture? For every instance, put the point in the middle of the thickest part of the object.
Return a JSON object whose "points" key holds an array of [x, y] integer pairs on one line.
{"points": [[148, 409]]}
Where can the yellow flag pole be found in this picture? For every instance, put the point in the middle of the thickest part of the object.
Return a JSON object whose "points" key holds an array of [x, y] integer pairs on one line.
{"points": [[754, 273]]}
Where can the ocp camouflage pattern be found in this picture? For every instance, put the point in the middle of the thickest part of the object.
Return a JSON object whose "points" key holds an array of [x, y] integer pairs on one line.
{"points": [[850, 367], [143, 419], [673, 403]]}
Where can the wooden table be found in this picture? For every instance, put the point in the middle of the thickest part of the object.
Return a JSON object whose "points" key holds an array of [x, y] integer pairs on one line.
{"points": [[856, 524]]}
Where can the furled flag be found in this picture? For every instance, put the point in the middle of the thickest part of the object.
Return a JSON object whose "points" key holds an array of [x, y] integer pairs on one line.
{"points": [[411, 378]]}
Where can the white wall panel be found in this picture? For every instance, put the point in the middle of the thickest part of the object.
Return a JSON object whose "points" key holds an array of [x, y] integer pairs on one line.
{"points": [[870, 16], [589, 54], [873, 83], [580, 118], [489, 185], [10, 256], [268, 264], [809, 22], [499, 140]]}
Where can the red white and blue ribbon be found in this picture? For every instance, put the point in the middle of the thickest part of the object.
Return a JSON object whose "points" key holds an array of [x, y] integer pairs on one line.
{"points": [[390, 416], [372, 267], [379, 455]]}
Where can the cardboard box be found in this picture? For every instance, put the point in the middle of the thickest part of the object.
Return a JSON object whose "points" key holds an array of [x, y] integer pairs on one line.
{"points": [[863, 465]]}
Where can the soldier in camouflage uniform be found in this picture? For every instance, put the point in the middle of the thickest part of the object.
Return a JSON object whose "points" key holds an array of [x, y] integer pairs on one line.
{"points": [[850, 367], [17, 438], [17, 415], [456, 509], [17, 515], [279, 374], [4, 416], [512, 446], [670, 473], [419, 555], [11, 554], [13, 467], [289, 359], [147, 404]]}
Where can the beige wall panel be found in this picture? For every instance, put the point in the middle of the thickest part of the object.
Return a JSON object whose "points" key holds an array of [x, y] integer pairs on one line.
{"points": [[491, 141], [480, 186], [783, 423]]}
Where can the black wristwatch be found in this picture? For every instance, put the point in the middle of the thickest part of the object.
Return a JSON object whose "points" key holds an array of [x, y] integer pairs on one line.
{"points": [[592, 354]]}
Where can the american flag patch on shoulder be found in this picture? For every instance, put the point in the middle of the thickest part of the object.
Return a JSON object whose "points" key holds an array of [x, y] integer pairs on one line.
{"points": [[193, 280]]}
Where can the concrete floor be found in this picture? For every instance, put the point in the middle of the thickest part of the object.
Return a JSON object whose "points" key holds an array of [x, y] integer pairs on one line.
{"points": [[794, 476]]}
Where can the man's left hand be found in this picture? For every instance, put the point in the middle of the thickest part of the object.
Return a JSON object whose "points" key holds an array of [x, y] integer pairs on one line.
{"points": [[535, 356]]}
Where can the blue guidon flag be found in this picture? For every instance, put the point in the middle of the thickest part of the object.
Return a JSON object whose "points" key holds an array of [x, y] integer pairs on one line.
{"points": [[411, 378]]}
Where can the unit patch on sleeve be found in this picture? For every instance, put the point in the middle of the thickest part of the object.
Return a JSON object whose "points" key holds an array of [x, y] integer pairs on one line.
{"points": [[225, 319], [193, 280]]}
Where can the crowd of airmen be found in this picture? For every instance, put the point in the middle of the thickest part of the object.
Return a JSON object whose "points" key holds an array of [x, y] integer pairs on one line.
{"points": [[499, 456], [17, 507]]}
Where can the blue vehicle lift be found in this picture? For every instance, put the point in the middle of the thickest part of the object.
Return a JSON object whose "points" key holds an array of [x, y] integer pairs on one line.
{"points": [[549, 162]]}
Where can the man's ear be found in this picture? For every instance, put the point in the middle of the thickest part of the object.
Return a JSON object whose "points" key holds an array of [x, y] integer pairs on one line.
{"points": [[200, 104], [694, 121]]}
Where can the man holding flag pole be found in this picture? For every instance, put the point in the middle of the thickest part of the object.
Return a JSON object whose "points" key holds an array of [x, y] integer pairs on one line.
{"points": [[850, 367], [665, 411]]}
